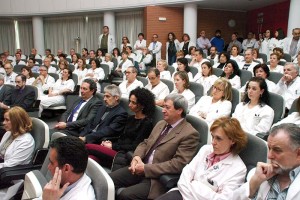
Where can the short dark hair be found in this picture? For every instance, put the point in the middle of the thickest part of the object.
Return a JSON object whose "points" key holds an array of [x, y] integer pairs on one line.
{"points": [[93, 85], [141, 34], [264, 67], [22, 77], [154, 70], [106, 27], [185, 62], [71, 150], [96, 61]]}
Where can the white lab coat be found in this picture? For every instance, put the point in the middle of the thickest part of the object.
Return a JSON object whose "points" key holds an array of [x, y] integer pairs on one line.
{"points": [[125, 91], [243, 192], [160, 91], [287, 44], [255, 120], [290, 93], [188, 95], [111, 44], [226, 175], [156, 50], [19, 152]]}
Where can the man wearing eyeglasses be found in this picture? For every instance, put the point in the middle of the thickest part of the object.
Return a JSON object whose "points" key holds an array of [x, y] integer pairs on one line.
{"points": [[10, 75], [44, 81], [130, 83]]}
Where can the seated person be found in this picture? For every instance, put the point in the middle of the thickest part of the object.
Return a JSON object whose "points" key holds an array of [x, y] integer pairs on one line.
{"points": [[182, 85], [32, 65], [17, 144], [162, 67], [279, 178], [108, 61], [274, 63], [26, 71], [254, 113], [232, 73], [95, 72], [263, 71], [110, 119], [213, 54], [144, 59], [130, 83], [223, 59], [294, 117], [47, 63], [10, 74], [198, 59], [179, 54], [138, 127], [235, 50], [218, 104], [170, 146], [200, 179], [288, 85], [82, 111], [68, 161], [44, 81], [183, 66], [5, 91], [22, 96], [56, 93], [157, 87], [80, 69], [206, 77], [123, 65]]}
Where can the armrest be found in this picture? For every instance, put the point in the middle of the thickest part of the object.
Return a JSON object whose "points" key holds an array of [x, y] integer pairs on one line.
{"points": [[7, 174], [113, 139], [169, 180], [263, 136]]}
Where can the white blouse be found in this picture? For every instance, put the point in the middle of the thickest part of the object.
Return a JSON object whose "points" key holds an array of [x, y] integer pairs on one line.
{"points": [[188, 95], [207, 82]]}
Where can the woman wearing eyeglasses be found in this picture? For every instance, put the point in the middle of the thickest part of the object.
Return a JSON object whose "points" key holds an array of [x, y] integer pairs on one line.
{"points": [[217, 104]]}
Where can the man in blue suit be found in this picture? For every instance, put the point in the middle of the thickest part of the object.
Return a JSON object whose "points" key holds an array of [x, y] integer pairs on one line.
{"points": [[110, 119]]}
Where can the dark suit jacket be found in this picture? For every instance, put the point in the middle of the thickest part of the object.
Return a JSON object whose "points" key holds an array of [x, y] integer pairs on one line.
{"points": [[85, 115], [24, 98], [112, 125], [5, 92], [176, 150]]}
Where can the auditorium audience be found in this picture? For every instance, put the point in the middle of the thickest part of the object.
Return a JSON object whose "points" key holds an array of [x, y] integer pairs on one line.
{"points": [[206, 78], [56, 93], [217, 104], [95, 73], [62, 64], [198, 59], [80, 70], [255, 54], [182, 84], [170, 146], [232, 73], [44, 81], [47, 63], [183, 66], [82, 111], [17, 144], [110, 119], [162, 67], [254, 113], [138, 127], [274, 63], [186, 43], [100, 55], [107, 61], [125, 43], [217, 169], [223, 59], [156, 86], [130, 83], [26, 71]]}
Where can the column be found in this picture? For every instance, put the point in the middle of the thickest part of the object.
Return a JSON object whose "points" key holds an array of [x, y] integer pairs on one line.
{"points": [[109, 20], [294, 16], [190, 21], [38, 34]]}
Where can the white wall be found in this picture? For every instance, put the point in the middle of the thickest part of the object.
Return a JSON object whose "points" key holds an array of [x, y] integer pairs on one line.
{"points": [[48, 7]]}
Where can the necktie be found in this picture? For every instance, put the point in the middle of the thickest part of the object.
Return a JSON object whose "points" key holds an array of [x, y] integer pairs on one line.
{"points": [[159, 139], [70, 119]]}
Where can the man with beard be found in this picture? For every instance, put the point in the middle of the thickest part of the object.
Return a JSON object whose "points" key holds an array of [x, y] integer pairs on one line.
{"points": [[22, 96], [218, 41], [278, 179]]}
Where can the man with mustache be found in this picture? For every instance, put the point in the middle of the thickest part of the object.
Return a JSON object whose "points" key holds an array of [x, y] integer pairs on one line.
{"points": [[278, 179]]}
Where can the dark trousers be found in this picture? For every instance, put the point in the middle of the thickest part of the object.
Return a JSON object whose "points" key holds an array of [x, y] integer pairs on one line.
{"points": [[135, 187], [171, 59], [173, 195]]}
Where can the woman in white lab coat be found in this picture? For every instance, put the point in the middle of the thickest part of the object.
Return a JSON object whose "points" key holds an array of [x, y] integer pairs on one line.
{"points": [[217, 170]]}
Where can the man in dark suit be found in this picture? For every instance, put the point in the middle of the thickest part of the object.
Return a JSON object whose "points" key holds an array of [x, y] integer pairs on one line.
{"points": [[5, 90], [110, 119], [22, 96], [171, 145], [83, 110]]}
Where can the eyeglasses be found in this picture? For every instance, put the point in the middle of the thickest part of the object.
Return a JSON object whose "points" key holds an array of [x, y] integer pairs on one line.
{"points": [[7, 68], [218, 89], [128, 72], [42, 70]]}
